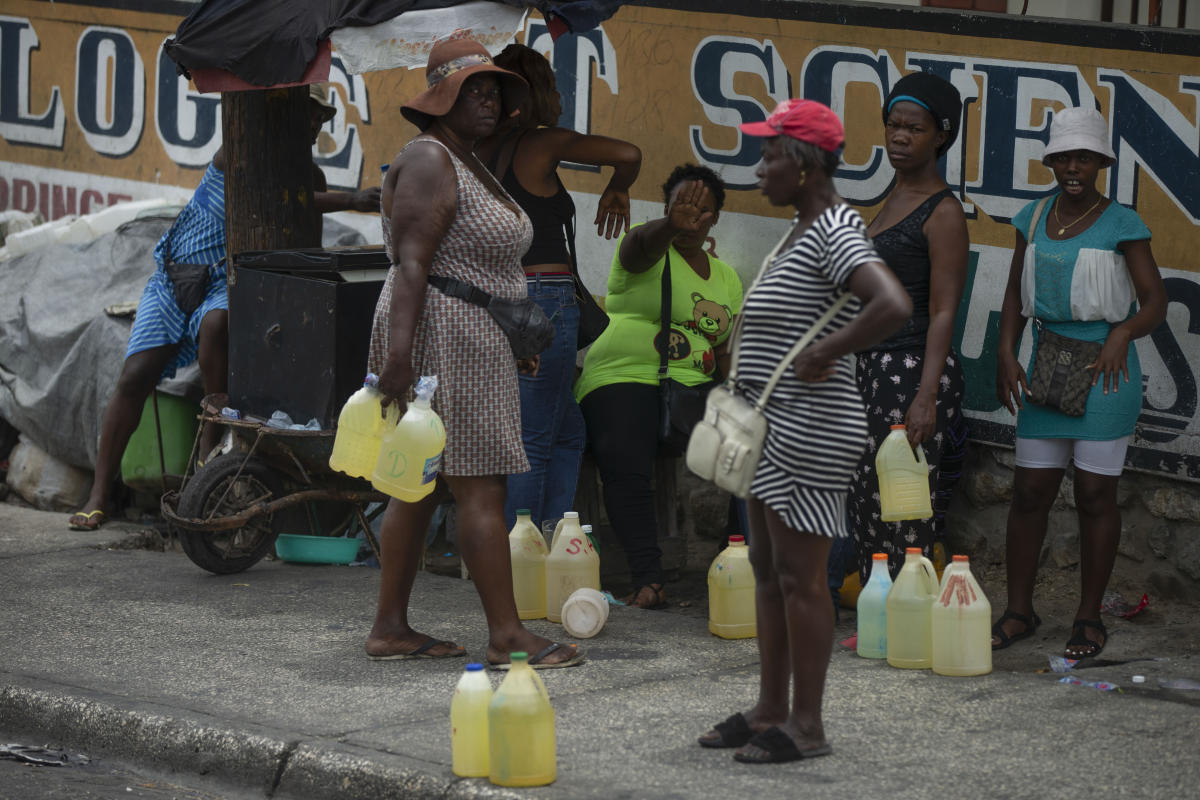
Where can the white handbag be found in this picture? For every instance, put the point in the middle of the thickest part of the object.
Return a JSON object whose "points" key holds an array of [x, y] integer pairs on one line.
{"points": [[726, 445]]}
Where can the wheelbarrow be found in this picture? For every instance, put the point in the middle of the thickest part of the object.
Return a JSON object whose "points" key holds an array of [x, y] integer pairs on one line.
{"points": [[228, 511]]}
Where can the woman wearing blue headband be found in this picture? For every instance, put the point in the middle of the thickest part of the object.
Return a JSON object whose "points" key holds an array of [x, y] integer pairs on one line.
{"points": [[914, 377]]}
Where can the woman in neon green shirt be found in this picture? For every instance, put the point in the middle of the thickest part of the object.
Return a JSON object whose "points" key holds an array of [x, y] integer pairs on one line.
{"points": [[618, 390]]}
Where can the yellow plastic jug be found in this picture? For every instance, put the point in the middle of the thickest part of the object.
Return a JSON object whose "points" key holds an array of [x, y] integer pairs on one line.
{"points": [[360, 429], [961, 621], [731, 592], [903, 479], [410, 456], [909, 603], [573, 563], [872, 609], [469, 723], [527, 549], [521, 729], [559, 526]]}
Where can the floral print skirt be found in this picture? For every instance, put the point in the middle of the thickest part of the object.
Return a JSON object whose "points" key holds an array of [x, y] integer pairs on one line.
{"points": [[889, 381]]}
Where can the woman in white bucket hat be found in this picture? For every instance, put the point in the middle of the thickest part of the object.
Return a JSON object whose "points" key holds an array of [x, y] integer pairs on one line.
{"points": [[1081, 268]]}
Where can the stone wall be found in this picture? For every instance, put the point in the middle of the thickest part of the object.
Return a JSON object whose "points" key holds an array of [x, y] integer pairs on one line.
{"points": [[1160, 525]]}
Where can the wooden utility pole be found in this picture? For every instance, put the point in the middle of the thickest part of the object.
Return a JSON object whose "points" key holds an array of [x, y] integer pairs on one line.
{"points": [[269, 200]]}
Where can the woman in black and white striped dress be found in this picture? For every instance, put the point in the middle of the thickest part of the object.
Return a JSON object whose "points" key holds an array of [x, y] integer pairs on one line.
{"points": [[817, 425]]}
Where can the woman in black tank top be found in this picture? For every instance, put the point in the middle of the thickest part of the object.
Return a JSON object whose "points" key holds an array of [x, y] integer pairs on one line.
{"points": [[524, 154], [914, 377]]}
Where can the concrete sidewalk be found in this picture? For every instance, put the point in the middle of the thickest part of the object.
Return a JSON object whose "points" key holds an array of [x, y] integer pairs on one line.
{"points": [[259, 680]]}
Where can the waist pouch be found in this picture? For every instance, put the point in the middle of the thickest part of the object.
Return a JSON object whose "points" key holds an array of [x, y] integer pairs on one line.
{"points": [[189, 282], [527, 327], [1060, 377]]}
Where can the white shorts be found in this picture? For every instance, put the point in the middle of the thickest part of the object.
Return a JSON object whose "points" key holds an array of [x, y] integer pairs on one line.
{"points": [[1101, 458]]}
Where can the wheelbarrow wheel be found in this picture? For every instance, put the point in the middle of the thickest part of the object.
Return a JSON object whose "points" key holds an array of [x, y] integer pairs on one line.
{"points": [[220, 490]]}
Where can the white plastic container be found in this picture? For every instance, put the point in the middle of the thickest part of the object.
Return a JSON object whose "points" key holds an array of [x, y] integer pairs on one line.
{"points": [[584, 613]]}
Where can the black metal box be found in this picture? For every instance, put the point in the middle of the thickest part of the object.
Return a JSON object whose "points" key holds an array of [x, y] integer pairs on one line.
{"points": [[299, 332]]}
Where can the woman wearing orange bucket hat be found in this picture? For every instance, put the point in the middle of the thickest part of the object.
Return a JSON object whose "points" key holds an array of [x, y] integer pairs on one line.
{"points": [[445, 217], [816, 423]]}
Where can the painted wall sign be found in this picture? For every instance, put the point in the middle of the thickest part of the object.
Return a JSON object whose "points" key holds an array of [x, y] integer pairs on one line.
{"points": [[92, 112]]}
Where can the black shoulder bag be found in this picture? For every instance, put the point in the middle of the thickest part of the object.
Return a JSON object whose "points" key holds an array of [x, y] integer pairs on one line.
{"points": [[592, 318], [680, 406], [189, 282], [527, 327]]}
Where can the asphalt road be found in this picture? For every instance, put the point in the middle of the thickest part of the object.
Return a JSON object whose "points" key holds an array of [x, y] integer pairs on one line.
{"points": [[257, 682]]}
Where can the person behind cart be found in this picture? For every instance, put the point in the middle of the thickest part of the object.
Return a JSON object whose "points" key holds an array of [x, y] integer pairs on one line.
{"points": [[446, 217], [183, 313], [524, 154]]}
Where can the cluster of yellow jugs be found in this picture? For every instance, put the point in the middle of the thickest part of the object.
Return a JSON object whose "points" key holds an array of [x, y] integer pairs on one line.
{"points": [[506, 737], [919, 623], [545, 578], [401, 456]]}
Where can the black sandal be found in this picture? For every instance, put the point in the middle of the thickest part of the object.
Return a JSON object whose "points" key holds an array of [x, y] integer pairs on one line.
{"points": [[1079, 638], [777, 748], [1031, 626], [733, 732]]}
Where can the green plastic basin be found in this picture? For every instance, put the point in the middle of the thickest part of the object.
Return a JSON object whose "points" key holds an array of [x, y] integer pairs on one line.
{"points": [[315, 549]]}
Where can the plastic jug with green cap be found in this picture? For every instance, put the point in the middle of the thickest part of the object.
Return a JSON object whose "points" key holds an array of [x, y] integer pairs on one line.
{"points": [[521, 729]]}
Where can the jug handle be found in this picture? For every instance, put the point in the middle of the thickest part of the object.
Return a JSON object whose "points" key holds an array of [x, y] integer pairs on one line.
{"points": [[919, 454], [930, 576]]}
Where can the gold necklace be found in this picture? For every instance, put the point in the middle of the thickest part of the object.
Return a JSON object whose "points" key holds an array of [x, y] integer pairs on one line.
{"points": [[1063, 228]]}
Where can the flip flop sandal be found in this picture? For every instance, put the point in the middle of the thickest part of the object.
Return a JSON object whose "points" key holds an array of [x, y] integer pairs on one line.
{"points": [[778, 748], [536, 660], [91, 520], [1079, 638], [422, 651], [733, 732], [1031, 626], [659, 601]]}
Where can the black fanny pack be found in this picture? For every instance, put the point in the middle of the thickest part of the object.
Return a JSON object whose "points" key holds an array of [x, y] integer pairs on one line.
{"points": [[527, 327], [189, 283]]}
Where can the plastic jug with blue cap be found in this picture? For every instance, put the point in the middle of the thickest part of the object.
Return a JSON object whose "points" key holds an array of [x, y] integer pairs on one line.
{"points": [[469, 723]]}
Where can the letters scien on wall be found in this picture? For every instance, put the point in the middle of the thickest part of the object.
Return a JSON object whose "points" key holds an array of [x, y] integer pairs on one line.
{"points": [[92, 112]]}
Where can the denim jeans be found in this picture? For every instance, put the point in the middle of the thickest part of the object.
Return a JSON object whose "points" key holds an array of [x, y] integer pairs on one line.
{"points": [[551, 423]]}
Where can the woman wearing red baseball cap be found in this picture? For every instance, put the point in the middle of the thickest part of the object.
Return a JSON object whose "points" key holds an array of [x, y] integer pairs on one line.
{"points": [[817, 425]]}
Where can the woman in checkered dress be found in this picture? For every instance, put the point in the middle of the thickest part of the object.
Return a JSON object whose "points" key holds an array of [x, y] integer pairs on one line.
{"points": [[445, 214]]}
